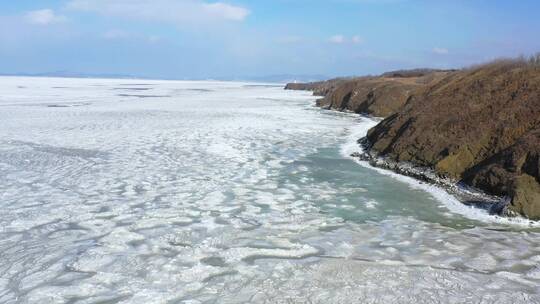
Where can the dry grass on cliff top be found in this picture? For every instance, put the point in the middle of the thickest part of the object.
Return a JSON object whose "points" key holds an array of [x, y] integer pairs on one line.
{"points": [[510, 63]]}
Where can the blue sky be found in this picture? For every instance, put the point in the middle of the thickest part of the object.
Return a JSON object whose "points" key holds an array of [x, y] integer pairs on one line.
{"points": [[239, 38]]}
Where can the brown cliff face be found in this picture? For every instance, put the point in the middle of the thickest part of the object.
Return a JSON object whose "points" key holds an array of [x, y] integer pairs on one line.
{"points": [[319, 88], [379, 96], [480, 125]]}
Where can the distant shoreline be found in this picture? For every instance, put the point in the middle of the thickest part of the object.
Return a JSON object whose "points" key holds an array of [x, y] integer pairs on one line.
{"points": [[277, 79]]}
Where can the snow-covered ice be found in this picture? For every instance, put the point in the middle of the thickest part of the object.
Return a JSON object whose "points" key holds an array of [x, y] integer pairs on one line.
{"points": [[143, 191]]}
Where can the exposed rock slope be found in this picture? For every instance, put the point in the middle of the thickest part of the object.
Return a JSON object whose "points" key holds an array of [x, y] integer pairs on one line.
{"points": [[319, 88], [480, 125], [378, 96]]}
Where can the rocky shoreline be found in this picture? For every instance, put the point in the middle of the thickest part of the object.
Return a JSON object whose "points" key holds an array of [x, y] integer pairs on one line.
{"points": [[469, 196], [475, 128]]}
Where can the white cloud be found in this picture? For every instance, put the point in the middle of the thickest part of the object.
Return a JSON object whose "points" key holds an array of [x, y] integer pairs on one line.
{"points": [[225, 11], [440, 51], [115, 34], [154, 39], [118, 34], [357, 40], [43, 17], [190, 12], [341, 39], [338, 39]]}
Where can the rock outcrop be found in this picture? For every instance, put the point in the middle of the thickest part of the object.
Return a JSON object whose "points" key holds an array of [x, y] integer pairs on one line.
{"points": [[378, 96], [480, 126], [319, 88]]}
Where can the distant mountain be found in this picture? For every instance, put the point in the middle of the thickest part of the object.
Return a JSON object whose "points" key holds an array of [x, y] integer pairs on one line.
{"points": [[284, 78], [69, 74]]}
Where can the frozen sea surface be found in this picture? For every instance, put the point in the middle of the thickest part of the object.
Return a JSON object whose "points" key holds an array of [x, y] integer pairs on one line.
{"points": [[137, 191]]}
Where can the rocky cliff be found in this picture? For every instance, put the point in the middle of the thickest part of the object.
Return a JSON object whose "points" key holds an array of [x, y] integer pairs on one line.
{"points": [[378, 96], [480, 126], [319, 88]]}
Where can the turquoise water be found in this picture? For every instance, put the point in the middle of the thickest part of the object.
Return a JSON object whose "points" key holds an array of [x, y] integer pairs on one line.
{"points": [[368, 196]]}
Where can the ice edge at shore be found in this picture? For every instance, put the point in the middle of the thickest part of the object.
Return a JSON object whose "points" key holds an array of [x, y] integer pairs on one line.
{"points": [[454, 205]]}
